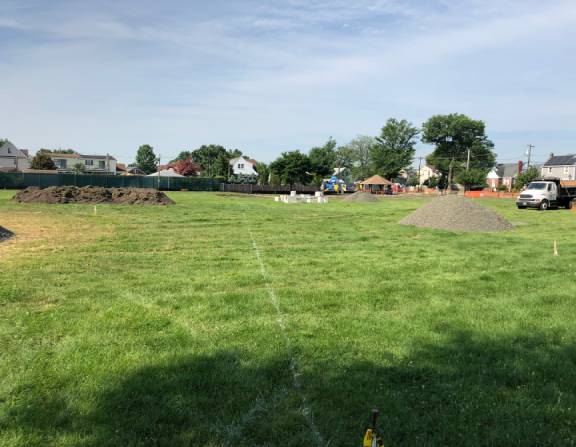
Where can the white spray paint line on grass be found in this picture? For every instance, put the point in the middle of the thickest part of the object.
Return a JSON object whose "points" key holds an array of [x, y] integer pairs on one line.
{"points": [[293, 367]]}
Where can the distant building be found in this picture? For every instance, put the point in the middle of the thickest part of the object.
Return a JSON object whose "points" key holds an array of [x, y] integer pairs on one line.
{"points": [[561, 166], [12, 158], [105, 164], [503, 174], [241, 166], [425, 173]]}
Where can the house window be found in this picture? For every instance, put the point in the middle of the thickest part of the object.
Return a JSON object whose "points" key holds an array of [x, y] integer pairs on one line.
{"points": [[89, 162], [9, 151], [61, 163], [240, 166], [549, 170], [566, 170], [101, 164]]}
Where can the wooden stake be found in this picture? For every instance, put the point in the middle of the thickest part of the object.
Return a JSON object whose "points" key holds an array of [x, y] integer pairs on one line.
{"points": [[95, 210], [555, 248]]}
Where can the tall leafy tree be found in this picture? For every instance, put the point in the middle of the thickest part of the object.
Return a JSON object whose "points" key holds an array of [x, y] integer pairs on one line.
{"points": [[394, 149], [453, 136], [42, 161], [526, 177], [292, 167], [183, 155], [323, 158], [146, 159], [263, 173], [360, 148]]}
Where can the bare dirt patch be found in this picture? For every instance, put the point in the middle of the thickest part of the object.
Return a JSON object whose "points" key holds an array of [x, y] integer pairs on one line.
{"points": [[456, 213], [93, 194]]}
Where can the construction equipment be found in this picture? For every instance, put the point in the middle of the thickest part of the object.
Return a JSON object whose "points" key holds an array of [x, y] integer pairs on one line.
{"points": [[334, 185], [372, 437]]}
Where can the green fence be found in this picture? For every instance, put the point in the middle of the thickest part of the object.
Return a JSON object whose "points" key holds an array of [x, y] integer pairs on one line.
{"points": [[18, 180]]}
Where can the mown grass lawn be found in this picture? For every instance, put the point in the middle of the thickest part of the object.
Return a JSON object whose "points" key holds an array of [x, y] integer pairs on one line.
{"points": [[153, 326]]}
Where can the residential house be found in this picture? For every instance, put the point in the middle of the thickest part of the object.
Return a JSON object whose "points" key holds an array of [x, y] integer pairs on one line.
{"points": [[242, 166], [560, 166], [503, 174], [101, 164], [12, 158], [424, 173]]}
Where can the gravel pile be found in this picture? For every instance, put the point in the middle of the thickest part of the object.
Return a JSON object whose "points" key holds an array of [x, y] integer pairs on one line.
{"points": [[93, 194], [5, 234], [361, 196], [456, 213]]}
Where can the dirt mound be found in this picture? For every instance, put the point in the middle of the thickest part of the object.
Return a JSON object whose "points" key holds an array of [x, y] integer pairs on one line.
{"points": [[5, 234], [361, 196], [93, 194], [456, 213]]}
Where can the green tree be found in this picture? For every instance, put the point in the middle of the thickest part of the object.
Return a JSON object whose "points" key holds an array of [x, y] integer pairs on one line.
{"points": [[526, 177], [323, 159], [263, 173], [472, 178], [453, 136], [78, 168], [275, 179], [360, 148], [394, 149], [182, 156], [213, 159], [292, 167], [146, 159], [42, 161]]}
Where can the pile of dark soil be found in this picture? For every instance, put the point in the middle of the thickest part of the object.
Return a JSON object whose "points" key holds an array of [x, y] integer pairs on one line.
{"points": [[457, 213], [5, 234], [93, 194], [361, 196]]}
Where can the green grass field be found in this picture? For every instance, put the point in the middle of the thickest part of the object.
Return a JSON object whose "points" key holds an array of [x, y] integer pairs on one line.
{"points": [[154, 326]]}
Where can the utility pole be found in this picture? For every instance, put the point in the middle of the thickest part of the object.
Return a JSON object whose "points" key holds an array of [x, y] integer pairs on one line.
{"points": [[419, 170], [468, 161], [159, 158], [530, 147]]}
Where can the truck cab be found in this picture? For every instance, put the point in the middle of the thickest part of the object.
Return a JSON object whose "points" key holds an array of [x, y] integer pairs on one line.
{"points": [[544, 194]]}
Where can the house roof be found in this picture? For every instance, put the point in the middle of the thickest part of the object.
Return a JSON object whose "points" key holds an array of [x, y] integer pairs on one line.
{"points": [[376, 180], [507, 170], [166, 173], [98, 157], [251, 160], [120, 167], [561, 160], [93, 157], [53, 155]]}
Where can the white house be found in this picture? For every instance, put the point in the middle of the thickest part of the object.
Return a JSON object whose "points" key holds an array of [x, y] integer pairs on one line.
{"points": [[241, 166], [91, 163], [561, 166], [12, 158], [424, 173]]}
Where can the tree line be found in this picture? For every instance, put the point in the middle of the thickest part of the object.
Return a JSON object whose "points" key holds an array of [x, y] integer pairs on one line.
{"points": [[461, 152]]}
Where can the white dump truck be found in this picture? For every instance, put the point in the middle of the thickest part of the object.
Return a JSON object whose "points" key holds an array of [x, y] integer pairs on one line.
{"points": [[547, 193]]}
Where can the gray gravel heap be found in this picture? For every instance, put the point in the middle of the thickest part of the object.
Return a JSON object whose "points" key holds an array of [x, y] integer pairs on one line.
{"points": [[361, 196], [456, 213], [5, 234]]}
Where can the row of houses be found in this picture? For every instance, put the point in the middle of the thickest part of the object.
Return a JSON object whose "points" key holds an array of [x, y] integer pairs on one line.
{"points": [[14, 159]]}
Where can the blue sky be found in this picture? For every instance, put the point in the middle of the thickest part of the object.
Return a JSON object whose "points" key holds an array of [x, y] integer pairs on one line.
{"points": [[269, 76]]}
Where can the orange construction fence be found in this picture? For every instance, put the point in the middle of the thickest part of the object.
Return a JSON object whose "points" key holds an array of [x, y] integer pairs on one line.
{"points": [[493, 194]]}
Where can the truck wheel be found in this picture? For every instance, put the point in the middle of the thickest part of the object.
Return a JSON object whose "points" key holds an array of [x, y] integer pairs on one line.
{"points": [[521, 207], [544, 205], [569, 205]]}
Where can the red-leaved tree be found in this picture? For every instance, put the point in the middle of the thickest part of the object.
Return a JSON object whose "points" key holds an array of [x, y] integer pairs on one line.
{"points": [[186, 167]]}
